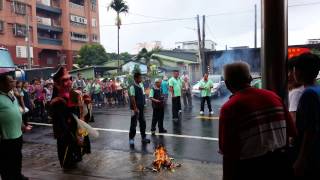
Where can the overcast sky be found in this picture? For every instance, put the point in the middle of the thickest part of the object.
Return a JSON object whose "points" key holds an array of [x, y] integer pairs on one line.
{"points": [[231, 22]]}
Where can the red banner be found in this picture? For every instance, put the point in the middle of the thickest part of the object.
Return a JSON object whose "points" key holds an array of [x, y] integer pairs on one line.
{"points": [[293, 52]]}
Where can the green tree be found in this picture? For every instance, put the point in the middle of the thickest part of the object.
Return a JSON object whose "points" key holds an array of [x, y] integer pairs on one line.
{"points": [[148, 57], [123, 56], [126, 56], [92, 54], [113, 56], [119, 6]]}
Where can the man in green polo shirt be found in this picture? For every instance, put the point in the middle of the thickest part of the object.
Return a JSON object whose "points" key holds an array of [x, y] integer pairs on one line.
{"points": [[175, 84], [10, 131], [205, 89]]}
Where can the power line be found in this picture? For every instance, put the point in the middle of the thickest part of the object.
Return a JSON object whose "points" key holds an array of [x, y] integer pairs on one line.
{"points": [[304, 4], [230, 13], [150, 22], [147, 16], [210, 32]]}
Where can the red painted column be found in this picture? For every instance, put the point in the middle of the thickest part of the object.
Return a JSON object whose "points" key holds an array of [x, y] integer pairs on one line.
{"points": [[69, 59], [36, 58]]}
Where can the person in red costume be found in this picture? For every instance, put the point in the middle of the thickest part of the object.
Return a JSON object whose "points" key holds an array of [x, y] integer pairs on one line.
{"points": [[65, 106]]}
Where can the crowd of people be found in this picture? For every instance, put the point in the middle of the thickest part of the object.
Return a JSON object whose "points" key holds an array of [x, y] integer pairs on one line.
{"points": [[259, 137]]}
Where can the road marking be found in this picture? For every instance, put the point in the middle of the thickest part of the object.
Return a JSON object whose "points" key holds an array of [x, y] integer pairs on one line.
{"points": [[208, 117], [126, 131]]}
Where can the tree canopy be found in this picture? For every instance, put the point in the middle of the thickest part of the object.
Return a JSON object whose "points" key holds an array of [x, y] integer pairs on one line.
{"points": [[120, 6], [123, 56], [147, 57], [92, 54]]}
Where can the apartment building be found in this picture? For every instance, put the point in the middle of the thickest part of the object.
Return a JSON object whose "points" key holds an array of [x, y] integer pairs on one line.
{"points": [[57, 29]]}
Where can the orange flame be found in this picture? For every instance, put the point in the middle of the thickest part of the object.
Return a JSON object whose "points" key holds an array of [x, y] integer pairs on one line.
{"points": [[163, 160]]}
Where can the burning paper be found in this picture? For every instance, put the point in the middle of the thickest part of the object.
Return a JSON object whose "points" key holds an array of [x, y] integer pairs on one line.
{"points": [[163, 161]]}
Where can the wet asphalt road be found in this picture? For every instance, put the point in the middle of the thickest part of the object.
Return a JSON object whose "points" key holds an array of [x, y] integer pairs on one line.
{"points": [[115, 123]]}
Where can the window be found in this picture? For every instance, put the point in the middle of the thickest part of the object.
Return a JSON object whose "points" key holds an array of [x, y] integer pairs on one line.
{"points": [[45, 2], [93, 5], [78, 19], [78, 37], [19, 30], [94, 22], [95, 38], [19, 8], [1, 26]]}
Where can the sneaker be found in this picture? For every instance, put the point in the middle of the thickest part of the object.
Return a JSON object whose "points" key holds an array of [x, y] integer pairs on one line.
{"points": [[153, 133], [145, 141], [163, 131], [201, 112], [131, 141], [211, 112]]}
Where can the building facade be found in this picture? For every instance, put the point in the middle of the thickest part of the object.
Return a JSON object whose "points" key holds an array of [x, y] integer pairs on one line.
{"points": [[57, 29], [187, 62], [193, 45]]}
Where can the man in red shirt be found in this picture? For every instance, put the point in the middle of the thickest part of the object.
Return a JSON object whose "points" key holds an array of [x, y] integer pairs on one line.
{"points": [[254, 129]]}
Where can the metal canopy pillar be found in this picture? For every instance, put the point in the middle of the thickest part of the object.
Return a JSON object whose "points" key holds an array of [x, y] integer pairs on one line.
{"points": [[274, 45]]}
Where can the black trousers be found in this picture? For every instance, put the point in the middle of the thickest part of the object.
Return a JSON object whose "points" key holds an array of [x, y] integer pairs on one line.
{"points": [[157, 117], [120, 96], [11, 159], [203, 99], [69, 153], [176, 106], [273, 165], [142, 123], [39, 109]]}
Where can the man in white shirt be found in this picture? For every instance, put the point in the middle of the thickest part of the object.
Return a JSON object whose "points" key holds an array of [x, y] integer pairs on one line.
{"points": [[295, 91]]}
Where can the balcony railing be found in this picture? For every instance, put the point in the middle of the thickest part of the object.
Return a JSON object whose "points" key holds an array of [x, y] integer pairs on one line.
{"points": [[49, 41], [49, 24], [50, 28]]}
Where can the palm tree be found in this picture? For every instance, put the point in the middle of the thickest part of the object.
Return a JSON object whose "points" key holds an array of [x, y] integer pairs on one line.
{"points": [[148, 57], [120, 6]]}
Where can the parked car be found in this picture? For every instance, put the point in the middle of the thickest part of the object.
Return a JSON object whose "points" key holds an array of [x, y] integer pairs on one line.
{"points": [[219, 86]]}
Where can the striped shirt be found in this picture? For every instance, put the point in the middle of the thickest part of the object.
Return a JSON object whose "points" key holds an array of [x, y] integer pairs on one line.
{"points": [[252, 123]]}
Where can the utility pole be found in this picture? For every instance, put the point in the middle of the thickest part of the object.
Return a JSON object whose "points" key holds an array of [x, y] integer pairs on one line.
{"points": [[255, 26], [28, 41], [204, 62], [199, 44]]}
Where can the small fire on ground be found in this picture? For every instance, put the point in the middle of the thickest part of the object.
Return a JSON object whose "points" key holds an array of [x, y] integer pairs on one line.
{"points": [[163, 161]]}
